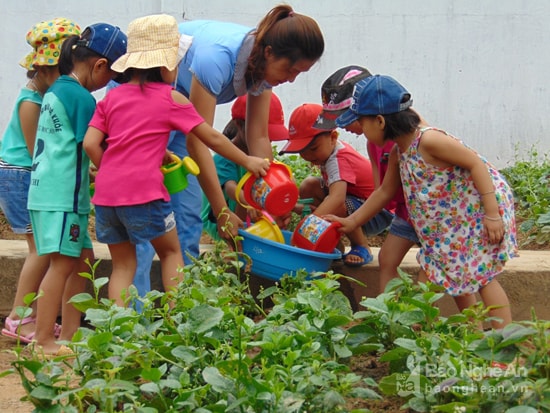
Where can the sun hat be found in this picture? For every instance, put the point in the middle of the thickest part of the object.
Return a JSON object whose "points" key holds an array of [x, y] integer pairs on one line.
{"points": [[376, 95], [46, 38], [276, 128], [105, 39], [153, 41], [336, 93], [301, 129]]}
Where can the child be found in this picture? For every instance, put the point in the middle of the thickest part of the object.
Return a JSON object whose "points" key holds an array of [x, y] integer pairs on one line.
{"points": [[229, 174], [135, 120], [16, 159], [336, 93], [346, 180], [459, 204], [59, 199]]}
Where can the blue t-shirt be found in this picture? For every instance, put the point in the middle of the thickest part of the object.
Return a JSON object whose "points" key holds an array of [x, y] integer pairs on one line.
{"points": [[218, 57]]}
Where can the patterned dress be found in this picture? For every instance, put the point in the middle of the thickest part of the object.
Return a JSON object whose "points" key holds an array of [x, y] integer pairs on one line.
{"points": [[446, 211]]}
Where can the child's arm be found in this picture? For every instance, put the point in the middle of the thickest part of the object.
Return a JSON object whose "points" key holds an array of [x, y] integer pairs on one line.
{"points": [[29, 112], [376, 201], [92, 145], [374, 165], [220, 144], [442, 150], [335, 201]]}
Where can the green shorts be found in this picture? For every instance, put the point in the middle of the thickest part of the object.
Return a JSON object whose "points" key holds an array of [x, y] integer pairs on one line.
{"points": [[62, 232]]}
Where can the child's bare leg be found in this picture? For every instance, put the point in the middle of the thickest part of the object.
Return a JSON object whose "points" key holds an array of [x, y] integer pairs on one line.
{"points": [[464, 301], [494, 294], [391, 255], [75, 284], [52, 286], [168, 249], [123, 256], [311, 188], [32, 273]]}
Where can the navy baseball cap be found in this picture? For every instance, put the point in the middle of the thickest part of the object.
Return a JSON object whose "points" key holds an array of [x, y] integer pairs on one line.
{"points": [[107, 40], [376, 95]]}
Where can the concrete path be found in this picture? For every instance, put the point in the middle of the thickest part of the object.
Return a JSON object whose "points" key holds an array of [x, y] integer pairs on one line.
{"points": [[526, 279]]}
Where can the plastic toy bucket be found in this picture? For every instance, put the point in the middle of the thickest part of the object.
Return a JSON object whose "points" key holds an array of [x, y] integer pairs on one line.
{"points": [[316, 234], [272, 260], [275, 192], [266, 228], [175, 173]]}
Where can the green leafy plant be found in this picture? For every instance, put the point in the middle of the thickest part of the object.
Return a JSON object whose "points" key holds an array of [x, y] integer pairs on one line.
{"points": [[530, 181], [208, 348]]}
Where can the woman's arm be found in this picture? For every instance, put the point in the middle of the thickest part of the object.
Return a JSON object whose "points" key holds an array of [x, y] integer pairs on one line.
{"points": [[205, 104], [29, 112], [256, 132]]}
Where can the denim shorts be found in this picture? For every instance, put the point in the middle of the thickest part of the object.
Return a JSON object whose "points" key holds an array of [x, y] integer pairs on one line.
{"points": [[377, 224], [14, 192], [62, 232], [403, 229], [134, 223]]}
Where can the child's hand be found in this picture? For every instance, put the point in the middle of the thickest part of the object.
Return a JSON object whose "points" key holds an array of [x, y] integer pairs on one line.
{"points": [[257, 166], [93, 173], [494, 229], [254, 214], [347, 224], [167, 159]]}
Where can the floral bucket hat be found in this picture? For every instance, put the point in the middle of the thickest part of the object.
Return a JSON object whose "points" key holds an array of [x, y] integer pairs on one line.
{"points": [[46, 38]]}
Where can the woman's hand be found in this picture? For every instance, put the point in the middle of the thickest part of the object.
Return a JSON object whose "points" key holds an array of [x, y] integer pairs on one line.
{"points": [[228, 226]]}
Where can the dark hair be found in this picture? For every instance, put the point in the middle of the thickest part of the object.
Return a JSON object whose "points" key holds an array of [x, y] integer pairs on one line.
{"points": [[291, 35], [145, 75], [72, 51], [400, 123], [231, 129]]}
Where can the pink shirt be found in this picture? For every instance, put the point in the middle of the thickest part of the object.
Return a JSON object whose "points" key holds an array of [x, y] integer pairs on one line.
{"points": [[381, 157], [346, 164], [137, 121]]}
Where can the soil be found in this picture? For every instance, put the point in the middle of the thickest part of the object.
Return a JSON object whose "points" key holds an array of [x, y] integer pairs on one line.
{"points": [[11, 390]]}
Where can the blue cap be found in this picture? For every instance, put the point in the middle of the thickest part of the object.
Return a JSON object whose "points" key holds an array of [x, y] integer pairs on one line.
{"points": [[375, 95], [107, 40]]}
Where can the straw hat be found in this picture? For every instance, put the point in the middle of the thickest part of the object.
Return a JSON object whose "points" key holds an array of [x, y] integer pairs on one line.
{"points": [[153, 41]]}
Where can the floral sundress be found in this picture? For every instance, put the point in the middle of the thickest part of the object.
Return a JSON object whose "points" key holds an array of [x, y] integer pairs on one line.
{"points": [[446, 211]]}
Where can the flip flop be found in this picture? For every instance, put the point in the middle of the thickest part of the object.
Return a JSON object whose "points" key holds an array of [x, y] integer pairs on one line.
{"points": [[361, 252], [11, 329]]}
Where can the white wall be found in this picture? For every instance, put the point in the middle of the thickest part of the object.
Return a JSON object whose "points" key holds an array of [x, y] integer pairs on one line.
{"points": [[476, 68]]}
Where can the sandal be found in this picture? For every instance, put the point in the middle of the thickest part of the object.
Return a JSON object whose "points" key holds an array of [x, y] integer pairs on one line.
{"points": [[361, 252], [11, 329]]}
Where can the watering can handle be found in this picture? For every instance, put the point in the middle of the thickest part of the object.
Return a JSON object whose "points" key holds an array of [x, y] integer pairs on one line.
{"points": [[239, 189], [190, 166]]}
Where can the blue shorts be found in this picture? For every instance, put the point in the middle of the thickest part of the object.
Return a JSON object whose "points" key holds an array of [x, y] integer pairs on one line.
{"points": [[14, 191], [62, 232], [403, 229], [134, 223], [377, 224]]}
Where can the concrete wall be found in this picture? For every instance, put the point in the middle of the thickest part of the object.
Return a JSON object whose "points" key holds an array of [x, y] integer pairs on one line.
{"points": [[475, 68]]}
